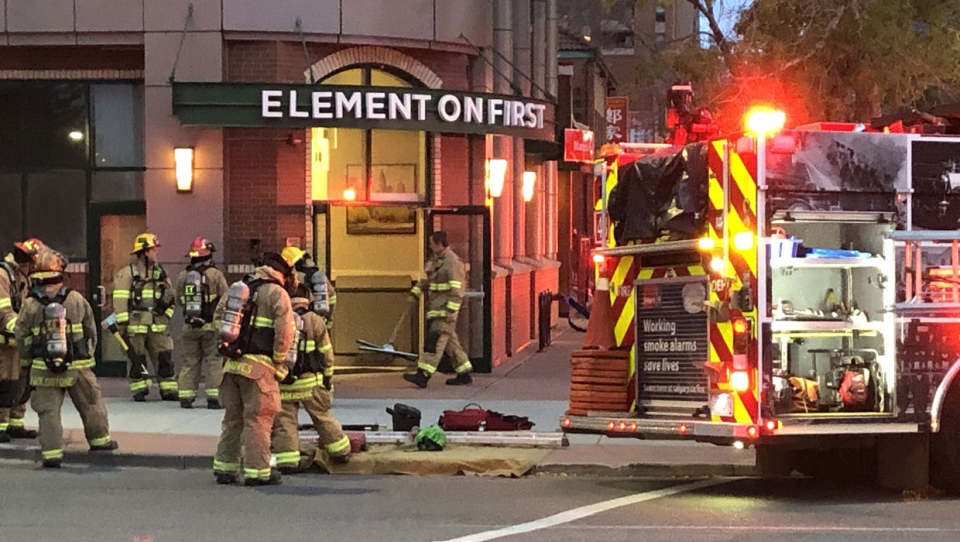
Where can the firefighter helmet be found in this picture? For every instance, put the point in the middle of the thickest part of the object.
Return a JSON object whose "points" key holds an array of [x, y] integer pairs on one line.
{"points": [[145, 241], [31, 248], [49, 264], [300, 295], [201, 248], [292, 255]]}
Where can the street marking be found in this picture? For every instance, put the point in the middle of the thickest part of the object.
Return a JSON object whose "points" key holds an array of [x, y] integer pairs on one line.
{"points": [[774, 529], [587, 511]]}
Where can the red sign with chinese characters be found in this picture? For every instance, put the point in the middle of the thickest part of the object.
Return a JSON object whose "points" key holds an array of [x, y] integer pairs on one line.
{"points": [[577, 145], [617, 119]]}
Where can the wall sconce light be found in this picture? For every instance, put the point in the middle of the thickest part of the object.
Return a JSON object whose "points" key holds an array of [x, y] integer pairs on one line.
{"points": [[183, 158], [529, 179], [350, 194], [496, 174]]}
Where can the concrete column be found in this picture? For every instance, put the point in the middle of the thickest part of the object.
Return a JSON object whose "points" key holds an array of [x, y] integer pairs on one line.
{"points": [[503, 145], [543, 220], [522, 60], [540, 46], [550, 74]]}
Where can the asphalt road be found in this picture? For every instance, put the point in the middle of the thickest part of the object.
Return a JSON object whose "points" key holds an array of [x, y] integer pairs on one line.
{"points": [[146, 505]]}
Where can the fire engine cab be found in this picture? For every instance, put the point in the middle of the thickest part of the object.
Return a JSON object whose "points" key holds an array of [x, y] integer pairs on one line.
{"points": [[795, 291]]}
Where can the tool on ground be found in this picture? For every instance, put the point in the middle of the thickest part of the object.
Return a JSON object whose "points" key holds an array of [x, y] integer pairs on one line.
{"points": [[110, 324], [388, 348]]}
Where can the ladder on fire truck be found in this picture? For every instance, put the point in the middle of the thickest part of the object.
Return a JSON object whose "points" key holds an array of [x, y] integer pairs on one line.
{"points": [[928, 289]]}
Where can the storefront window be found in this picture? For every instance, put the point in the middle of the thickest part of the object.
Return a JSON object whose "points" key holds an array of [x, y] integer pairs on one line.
{"points": [[43, 125], [368, 165], [117, 113]]}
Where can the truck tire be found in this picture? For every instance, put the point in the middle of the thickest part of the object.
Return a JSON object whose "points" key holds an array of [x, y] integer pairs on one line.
{"points": [[945, 444]]}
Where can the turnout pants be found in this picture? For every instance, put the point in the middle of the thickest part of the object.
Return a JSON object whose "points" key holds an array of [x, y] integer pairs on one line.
{"points": [[286, 434], [249, 409], [85, 394], [198, 349], [14, 375], [158, 347], [442, 338]]}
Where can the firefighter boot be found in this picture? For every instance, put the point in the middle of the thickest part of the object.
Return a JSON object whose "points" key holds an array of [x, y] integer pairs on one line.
{"points": [[213, 404], [20, 432], [4, 438], [52, 463], [462, 379], [274, 480], [108, 447], [140, 397], [418, 378], [225, 478], [186, 403]]}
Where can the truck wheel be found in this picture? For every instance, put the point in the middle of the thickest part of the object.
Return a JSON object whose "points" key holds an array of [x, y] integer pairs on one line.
{"points": [[945, 444]]}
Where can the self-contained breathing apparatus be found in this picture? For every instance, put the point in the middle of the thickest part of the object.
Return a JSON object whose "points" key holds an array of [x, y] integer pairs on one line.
{"points": [[197, 309], [303, 362], [54, 346], [157, 304], [15, 301], [238, 335]]}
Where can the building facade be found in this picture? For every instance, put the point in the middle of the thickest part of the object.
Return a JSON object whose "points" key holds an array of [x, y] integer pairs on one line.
{"points": [[329, 126]]}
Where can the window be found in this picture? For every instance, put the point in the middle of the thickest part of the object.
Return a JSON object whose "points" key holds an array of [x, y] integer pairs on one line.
{"points": [[42, 125], [368, 165], [55, 210], [117, 112]]}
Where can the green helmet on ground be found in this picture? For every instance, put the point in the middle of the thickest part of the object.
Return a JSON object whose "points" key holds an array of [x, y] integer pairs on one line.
{"points": [[431, 438]]}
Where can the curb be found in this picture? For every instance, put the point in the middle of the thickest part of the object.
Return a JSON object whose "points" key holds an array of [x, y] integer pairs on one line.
{"points": [[642, 470], [112, 459]]}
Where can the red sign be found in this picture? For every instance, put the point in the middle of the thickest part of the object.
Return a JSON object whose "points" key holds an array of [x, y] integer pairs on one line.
{"points": [[577, 145], [617, 119]]}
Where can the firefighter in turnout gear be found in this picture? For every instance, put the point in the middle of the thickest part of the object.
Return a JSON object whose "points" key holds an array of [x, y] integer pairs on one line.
{"points": [[323, 297], [258, 336], [14, 270], [444, 288], [308, 384], [199, 288], [143, 302], [57, 336]]}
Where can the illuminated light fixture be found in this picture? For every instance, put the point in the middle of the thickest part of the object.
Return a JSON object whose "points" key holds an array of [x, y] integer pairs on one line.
{"points": [[183, 160], [350, 194], [752, 431], [75, 135], [738, 444], [682, 429], [740, 380], [706, 243], [598, 258], [772, 425], [743, 241], [529, 179], [740, 326], [496, 174], [765, 121], [611, 425], [566, 422], [717, 264], [623, 426], [633, 426]]}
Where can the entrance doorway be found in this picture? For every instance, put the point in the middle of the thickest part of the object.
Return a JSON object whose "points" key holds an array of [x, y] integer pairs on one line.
{"points": [[468, 232], [113, 228]]}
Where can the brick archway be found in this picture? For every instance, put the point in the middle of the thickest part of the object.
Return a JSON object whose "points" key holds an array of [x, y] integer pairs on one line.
{"points": [[373, 55]]}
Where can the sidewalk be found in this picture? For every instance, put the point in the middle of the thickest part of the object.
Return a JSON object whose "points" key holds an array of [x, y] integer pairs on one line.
{"points": [[530, 384]]}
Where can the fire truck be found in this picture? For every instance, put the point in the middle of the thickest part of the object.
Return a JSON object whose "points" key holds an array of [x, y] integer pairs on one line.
{"points": [[795, 291]]}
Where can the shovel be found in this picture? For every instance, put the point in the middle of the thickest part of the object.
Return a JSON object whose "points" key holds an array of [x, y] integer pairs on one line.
{"points": [[387, 347]]}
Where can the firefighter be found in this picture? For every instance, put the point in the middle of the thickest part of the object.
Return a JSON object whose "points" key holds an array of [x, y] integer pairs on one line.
{"points": [[14, 271], [257, 332], [323, 297], [444, 285], [308, 384], [199, 288], [143, 301], [57, 335]]}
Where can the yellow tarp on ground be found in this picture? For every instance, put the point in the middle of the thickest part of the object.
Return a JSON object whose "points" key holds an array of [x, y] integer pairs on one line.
{"points": [[452, 460]]}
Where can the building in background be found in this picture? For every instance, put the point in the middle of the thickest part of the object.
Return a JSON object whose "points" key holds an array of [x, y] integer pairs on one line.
{"points": [[180, 117], [628, 32]]}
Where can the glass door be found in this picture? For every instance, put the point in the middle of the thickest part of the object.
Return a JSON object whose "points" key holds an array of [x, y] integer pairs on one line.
{"points": [[113, 227], [468, 231]]}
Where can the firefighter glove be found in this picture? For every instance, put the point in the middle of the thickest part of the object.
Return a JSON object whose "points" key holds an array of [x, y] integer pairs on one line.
{"points": [[196, 322], [280, 372], [328, 383], [289, 379]]}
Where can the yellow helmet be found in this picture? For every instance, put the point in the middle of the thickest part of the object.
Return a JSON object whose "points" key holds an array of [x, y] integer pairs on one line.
{"points": [[292, 255], [144, 241], [49, 265]]}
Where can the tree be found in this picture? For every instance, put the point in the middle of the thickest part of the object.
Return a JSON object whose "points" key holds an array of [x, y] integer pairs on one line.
{"points": [[840, 60]]}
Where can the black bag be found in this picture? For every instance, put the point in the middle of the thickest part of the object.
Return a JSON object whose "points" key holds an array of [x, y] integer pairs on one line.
{"points": [[405, 417]]}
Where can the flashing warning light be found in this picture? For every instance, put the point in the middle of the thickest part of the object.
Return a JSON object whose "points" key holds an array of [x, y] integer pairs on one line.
{"points": [[598, 259], [350, 194], [752, 431], [743, 241], [740, 326], [622, 426], [683, 428], [738, 444], [765, 121], [633, 426], [565, 422], [611, 425], [717, 265], [740, 380], [772, 425], [706, 243]]}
